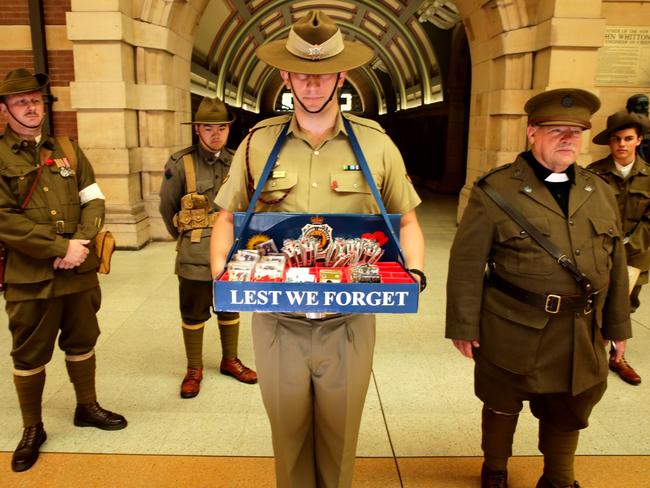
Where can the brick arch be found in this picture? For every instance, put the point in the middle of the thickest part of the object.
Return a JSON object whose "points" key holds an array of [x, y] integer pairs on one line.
{"points": [[131, 104]]}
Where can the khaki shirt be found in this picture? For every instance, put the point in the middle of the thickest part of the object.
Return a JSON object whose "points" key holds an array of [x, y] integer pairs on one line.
{"points": [[318, 179], [192, 258], [633, 198], [33, 236], [545, 352]]}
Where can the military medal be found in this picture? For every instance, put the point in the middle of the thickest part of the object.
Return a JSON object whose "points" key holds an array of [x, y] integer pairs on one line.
{"points": [[64, 167]]}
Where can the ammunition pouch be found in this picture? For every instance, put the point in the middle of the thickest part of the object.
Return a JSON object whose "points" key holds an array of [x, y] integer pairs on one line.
{"points": [[195, 214]]}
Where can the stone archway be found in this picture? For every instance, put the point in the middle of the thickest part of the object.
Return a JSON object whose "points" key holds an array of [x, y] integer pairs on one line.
{"points": [[132, 87]]}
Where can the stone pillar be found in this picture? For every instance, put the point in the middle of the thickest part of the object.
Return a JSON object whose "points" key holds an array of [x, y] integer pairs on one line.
{"points": [[519, 49], [131, 91]]}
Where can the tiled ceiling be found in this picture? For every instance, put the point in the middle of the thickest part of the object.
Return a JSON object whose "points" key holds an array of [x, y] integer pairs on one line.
{"points": [[224, 61]]}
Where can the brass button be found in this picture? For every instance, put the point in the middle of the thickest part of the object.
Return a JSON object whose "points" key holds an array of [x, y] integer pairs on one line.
{"points": [[577, 252], [46, 189], [571, 222], [314, 184], [356, 185], [522, 232], [53, 212], [21, 178], [316, 153]]}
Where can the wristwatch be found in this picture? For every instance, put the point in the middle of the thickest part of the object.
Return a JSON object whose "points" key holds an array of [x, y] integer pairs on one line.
{"points": [[423, 278]]}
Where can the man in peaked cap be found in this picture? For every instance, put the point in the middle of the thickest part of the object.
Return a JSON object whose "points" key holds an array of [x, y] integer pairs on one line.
{"points": [[50, 210], [314, 370], [192, 178], [534, 328], [628, 175]]}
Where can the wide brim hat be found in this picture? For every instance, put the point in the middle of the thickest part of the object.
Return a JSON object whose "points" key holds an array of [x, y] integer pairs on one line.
{"points": [[563, 106], [617, 121], [21, 80], [212, 111], [315, 46]]}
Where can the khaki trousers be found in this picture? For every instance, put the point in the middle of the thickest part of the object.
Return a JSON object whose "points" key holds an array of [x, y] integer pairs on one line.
{"points": [[314, 376]]}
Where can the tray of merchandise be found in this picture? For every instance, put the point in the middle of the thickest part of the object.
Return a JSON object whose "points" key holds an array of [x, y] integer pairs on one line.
{"points": [[303, 263]]}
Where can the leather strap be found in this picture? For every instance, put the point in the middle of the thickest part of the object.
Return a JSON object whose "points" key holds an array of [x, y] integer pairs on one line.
{"points": [[551, 302], [190, 174], [545, 243]]}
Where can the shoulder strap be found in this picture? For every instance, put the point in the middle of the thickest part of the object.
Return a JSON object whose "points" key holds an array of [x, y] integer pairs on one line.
{"points": [[68, 150], [361, 159], [546, 244], [190, 173]]}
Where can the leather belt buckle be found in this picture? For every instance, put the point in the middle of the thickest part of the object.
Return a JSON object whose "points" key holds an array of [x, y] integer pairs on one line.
{"points": [[60, 227], [552, 304]]}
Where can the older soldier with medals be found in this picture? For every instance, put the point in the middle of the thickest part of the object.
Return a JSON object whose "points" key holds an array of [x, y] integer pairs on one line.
{"points": [[49, 213], [628, 175], [191, 180], [314, 371], [537, 274]]}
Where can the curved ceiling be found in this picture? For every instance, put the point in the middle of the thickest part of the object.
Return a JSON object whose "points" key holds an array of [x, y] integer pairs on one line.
{"points": [[404, 73]]}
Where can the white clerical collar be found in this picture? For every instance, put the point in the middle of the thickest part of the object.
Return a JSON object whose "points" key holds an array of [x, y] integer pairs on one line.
{"points": [[557, 178], [624, 170]]}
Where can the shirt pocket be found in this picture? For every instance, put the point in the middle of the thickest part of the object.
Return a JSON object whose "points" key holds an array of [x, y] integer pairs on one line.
{"points": [[639, 201], [604, 233], [518, 252], [276, 188], [349, 182]]}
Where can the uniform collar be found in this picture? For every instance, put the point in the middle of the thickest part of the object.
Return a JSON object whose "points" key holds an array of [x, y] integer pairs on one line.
{"points": [[639, 167], [210, 157], [295, 129], [542, 172], [17, 143]]}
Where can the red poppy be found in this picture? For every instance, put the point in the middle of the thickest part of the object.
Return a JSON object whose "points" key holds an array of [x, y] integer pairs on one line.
{"points": [[378, 236], [49, 162]]}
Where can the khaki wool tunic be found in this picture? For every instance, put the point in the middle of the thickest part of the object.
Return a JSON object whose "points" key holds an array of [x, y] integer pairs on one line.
{"points": [[633, 197], [31, 236], [538, 351], [313, 179], [192, 258]]}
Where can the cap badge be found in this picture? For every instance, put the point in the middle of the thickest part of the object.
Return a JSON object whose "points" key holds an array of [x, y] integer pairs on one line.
{"points": [[315, 52], [567, 101]]}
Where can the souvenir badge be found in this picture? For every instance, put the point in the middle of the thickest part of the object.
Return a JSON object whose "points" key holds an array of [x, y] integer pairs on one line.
{"points": [[256, 240], [317, 230]]}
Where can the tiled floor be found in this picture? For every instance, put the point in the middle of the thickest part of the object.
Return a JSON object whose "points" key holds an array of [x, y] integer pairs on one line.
{"points": [[420, 402]]}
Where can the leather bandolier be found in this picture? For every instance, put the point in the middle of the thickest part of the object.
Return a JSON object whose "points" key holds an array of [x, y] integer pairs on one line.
{"points": [[196, 211]]}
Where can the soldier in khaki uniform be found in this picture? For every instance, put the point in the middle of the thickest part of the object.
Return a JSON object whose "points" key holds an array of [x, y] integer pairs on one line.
{"points": [[533, 330], [314, 372], [191, 181], [628, 174], [50, 210]]}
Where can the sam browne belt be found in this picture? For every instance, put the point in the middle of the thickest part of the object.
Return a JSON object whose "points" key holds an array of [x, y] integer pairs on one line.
{"points": [[551, 302]]}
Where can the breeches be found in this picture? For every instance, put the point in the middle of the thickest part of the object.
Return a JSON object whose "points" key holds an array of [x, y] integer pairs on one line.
{"points": [[314, 376], [561, 410], [196, 302], [34, 325]]}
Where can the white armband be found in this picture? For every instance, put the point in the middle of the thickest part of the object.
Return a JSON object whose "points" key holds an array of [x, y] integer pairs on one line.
{"points": [[91, 192]]}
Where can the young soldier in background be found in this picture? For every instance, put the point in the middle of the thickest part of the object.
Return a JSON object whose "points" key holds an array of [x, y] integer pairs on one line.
{"points": [[628, 175], [191, 180]]}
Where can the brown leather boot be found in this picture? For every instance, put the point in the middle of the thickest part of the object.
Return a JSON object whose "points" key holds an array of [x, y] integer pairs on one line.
{"points": [[191, 384], [623, 369], [234, 367], [26, 454], [93, 415], [493, 479]]}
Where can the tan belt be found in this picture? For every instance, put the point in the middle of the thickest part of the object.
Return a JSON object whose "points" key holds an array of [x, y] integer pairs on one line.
{"points": [[63, 227], [195, 235]]}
